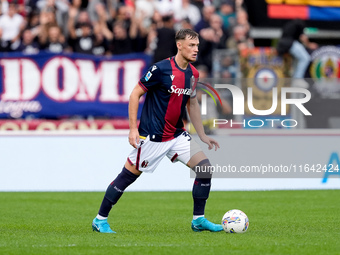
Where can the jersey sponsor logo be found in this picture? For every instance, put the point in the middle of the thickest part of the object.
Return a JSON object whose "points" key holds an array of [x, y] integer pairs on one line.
{"points": [[153, 68], [172, 77], [179, 91], [148, 76]]}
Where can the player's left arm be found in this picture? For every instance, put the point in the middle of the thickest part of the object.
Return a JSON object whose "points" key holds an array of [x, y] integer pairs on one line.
{"points": [[195, 117]]}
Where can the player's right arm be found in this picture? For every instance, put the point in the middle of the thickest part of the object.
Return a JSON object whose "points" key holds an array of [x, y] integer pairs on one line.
{"points": [[136, 93], [151, 79]]}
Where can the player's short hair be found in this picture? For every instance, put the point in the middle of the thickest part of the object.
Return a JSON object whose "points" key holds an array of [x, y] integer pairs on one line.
{"points": [[183, 33]]}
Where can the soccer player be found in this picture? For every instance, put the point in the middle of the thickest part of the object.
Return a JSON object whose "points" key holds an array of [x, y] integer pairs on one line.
{"points": [[161, 132]]}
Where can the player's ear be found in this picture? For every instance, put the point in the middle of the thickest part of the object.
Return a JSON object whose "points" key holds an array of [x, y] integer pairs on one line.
{"points": [[179, 44]]}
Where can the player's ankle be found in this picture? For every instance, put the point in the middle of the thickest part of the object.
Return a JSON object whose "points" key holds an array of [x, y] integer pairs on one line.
{"points": [[195, 217], [99, 217]]}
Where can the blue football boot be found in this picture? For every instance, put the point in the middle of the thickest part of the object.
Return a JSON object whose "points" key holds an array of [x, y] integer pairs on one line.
{"points": [[101, 226], [201, 224]]}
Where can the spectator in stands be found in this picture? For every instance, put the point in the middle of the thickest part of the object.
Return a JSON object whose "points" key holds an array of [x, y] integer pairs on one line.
{"points": [[200, 3], [290, 43], [242, 19], [83, 16], [190, 11], [92, 9], [168, 7], [226, 11], [20, 6], [129, 30], [121, 42], [27, 44], [124, 15], [228, 67], [203, 72], [213, 37], [186, 24], [80, 16], [166, 45], [103, 36], [240, 40], [47, 17], [157, 20], [156, 23], [145, 8], [100, 46], [79, 4], [139, 32], [220, 34], [82, 38], [11, 25], [100, 9], [204, 22], [151, 43], [33, 21], [55, 42], [59, 9], [129, 33]]}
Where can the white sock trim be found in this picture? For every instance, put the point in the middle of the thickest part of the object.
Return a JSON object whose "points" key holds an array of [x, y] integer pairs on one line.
{"points": [[100, 217], [197, 216]]}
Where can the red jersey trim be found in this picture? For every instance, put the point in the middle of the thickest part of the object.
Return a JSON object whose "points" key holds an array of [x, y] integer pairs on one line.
{"points": [[142, 86], [174, 157], [130, 162]]}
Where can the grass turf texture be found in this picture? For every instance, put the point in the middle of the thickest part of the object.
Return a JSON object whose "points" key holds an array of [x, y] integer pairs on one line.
{"points": [[281, 222]]}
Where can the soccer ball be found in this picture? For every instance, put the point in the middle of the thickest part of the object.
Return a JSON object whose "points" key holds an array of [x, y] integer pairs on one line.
{"points": [[235, 221]]}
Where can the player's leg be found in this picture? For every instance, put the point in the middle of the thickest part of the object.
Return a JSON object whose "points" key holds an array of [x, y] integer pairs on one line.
{"points": [[113, 193], [143, 159], [202, 183], [116, 188], [199, 163], [189, 152]]}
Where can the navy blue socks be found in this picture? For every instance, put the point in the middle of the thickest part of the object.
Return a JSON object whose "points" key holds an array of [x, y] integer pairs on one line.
{"points": [[201, 188], [115, 191]]}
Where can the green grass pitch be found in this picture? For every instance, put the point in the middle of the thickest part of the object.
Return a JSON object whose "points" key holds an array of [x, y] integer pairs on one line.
{"points": [[281, 222]]}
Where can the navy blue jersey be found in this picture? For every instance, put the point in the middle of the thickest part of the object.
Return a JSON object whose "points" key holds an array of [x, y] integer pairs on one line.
{"points": [[168, 91]]}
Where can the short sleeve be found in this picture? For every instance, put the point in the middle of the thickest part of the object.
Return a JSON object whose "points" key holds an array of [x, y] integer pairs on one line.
{"points": [[193, 94], [151, 79], [194, 81]]}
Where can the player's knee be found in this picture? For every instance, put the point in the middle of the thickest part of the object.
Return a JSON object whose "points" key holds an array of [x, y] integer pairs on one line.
{"points": [[132, 168], [203, 169]]}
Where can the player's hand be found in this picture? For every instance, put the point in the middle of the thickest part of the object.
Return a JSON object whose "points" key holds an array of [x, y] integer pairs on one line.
{"points": [[134, 137], [211, 142]]}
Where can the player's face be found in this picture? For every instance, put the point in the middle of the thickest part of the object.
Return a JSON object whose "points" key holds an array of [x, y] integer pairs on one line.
{"points": [[189, 48]]}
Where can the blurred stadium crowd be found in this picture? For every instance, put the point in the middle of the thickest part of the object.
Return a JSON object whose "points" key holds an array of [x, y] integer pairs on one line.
{"points": [[112, 27]]}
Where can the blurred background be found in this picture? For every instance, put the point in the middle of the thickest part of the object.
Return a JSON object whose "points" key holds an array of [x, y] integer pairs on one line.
{"points": [[68, 65], [67, 68]]}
